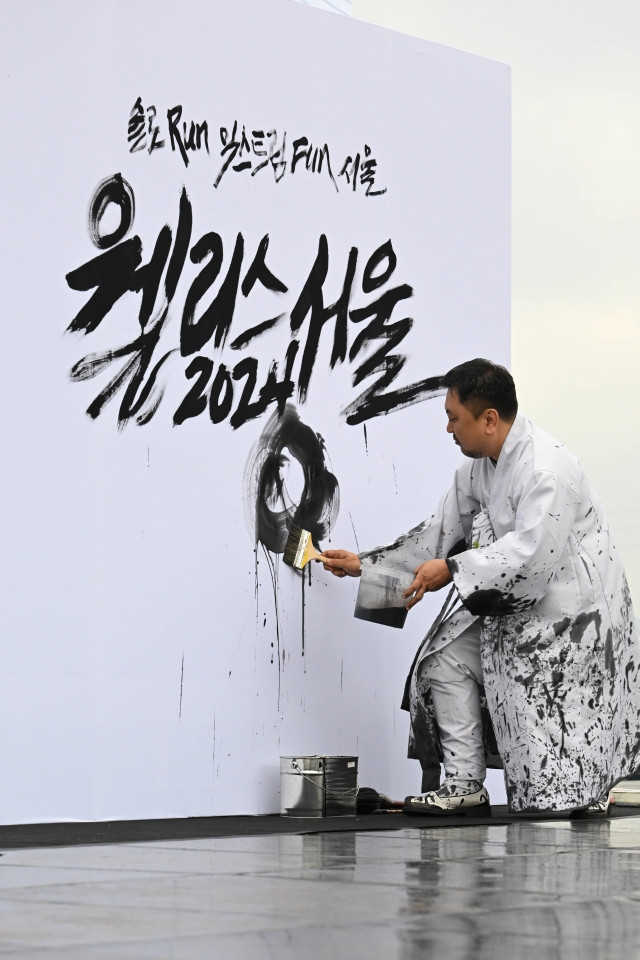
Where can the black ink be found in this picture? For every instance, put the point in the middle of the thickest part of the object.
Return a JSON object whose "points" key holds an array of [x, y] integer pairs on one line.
{"points": [[367, 170], [137, 128], [219, 409], [274, 575], [260, 271], [137, 393], [112, 274], [193, 336], [234, 148], [350, 170], [219, 314], [384, 252], [197, 136], [394, 333], [459, 547], [303, 579], [313, 161], [195, 401], [147, 278], [246, 410], [154, 131], [279, 391], [494, 603], [116, 272], [373, 402], [116, 190], [323, 154], [181, 246], [275, 156], [245, 338], [119, 270], [298, 154], [609, 656], [181, 682], [355, 535], [173, 119], [368, 174], [581, 623], [271, 510], [387, 616], [311, 300], [273, 391]]}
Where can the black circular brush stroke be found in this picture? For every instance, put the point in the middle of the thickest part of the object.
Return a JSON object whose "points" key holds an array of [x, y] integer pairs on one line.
{"points": [[116, 190], [319, 504]]}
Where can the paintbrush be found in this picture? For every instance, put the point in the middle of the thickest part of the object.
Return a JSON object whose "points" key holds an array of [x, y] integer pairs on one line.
{"points": [[300, 549]]}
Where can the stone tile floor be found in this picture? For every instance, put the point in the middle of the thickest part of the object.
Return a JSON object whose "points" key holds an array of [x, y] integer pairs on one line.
{"points": [[527, 891]]}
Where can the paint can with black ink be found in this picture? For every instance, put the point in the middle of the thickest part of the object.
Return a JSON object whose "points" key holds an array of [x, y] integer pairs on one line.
{"points": [[318, 786], [380, 597]]}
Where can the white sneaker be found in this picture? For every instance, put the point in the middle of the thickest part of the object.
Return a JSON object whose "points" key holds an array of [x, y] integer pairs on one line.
{"points": [[454, 798], [598, 809]]}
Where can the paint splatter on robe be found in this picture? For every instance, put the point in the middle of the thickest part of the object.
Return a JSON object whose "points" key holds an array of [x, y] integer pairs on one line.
{"points": [[560, 649]]}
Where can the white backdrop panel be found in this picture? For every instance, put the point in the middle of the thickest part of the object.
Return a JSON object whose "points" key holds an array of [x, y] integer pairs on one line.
{"points": [[140, 667]]}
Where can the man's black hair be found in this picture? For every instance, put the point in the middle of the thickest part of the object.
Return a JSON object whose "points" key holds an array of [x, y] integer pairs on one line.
{"points": [[481, 384]]}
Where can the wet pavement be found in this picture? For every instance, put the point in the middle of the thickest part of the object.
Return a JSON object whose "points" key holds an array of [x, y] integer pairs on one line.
{"points": [[526, 891]]}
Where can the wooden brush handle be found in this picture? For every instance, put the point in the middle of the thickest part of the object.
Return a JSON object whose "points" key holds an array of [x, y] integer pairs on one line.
{"points": [[314, 554]]}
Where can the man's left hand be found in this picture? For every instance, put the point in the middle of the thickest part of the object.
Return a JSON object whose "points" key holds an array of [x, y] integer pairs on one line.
{"points": [[430, 576]]}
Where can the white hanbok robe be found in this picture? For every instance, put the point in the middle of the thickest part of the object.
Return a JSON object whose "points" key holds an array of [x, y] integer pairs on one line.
{"points": [[560, 651]]}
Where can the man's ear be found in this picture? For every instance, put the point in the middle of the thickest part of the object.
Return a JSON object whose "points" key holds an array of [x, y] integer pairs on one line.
{"points": [[492, 418]]}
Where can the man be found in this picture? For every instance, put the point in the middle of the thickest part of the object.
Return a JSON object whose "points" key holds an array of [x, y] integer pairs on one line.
{"points": [[541, 625]]}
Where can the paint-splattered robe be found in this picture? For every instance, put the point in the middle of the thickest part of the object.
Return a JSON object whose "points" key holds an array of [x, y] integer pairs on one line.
{"points": [[560, 650]]}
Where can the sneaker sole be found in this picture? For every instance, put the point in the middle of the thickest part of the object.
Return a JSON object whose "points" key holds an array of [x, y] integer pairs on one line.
{"points": [[588, 815], [477, 810]]}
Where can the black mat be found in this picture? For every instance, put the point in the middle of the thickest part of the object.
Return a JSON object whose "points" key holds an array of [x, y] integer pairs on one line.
{"points": [[22, 836]]}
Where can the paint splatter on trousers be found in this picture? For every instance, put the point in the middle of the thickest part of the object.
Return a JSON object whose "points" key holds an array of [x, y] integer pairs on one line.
{"points": [[450, 723]]}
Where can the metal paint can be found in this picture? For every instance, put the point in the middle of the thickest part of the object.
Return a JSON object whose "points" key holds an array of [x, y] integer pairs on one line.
{"points": [[340, 786], [318, 786], [380, 597]]}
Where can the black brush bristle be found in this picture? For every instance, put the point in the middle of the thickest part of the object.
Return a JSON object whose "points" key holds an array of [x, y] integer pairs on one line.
{"points": [[293, 542]]}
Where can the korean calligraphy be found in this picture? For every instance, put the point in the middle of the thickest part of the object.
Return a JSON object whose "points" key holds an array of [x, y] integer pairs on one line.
{"points": [[142, 131], [244, 149], [226, 270]]}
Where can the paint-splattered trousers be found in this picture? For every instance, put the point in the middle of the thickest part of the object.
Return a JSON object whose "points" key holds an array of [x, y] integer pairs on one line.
{"points": [[446, 695], [458, 680]]}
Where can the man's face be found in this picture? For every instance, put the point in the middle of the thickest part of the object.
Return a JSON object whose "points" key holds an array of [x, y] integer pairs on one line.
{"points": [[469, 432]]}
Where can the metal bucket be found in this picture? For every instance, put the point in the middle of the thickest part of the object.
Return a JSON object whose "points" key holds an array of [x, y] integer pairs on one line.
{"points": [[318, 786], [340, 786], [380, 597]]}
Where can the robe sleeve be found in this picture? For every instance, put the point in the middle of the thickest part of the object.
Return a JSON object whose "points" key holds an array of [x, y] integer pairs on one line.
{"points": [[443, 534], [514, 572]]}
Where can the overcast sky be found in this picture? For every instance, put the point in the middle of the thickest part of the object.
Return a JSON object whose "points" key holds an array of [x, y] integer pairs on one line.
{"points": [[576, 219]]}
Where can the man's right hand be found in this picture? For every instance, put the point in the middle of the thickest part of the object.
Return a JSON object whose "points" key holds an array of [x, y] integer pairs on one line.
{"points": [[342, 563]]}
